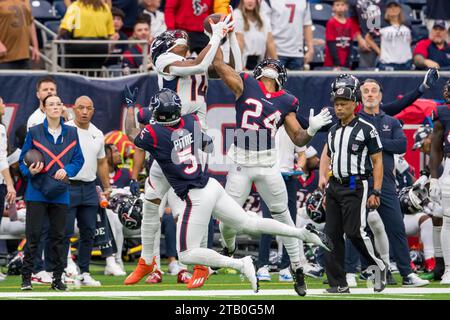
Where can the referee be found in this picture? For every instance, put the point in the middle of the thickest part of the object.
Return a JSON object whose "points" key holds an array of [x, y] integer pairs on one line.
{"points": [[354, 151]]}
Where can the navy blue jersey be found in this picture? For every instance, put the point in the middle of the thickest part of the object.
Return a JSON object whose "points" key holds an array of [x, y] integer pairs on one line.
{"points": [[260, 112], [121, 178], [443, 113], [144, 116], [175, 150], [306, 187]]}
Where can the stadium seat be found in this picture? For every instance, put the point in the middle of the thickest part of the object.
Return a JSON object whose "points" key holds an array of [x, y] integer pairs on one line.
{"points": [[321, 13], [60, 8], [415, 4], [418, 33], [409, 15], [54, 26], [319, 55], [43, 10], [318, 31]]}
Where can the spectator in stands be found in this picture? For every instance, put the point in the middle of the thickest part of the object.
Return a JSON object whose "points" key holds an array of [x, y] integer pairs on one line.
{"points": [[131, 9], [118, 17], [133, 57], [395, 47], [292, 30], [157, 23], [340, 33], [17, 32], [253, 34], [437, 10], [435, 51], [189, 16], [87, 20]]}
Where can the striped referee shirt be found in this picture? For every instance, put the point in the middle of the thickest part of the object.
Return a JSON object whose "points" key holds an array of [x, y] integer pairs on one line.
{"points": [[350, 147]]}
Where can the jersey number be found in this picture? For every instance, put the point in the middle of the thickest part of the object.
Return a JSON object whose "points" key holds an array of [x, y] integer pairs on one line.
{"points": [[291, 6], [186, 157], [201, 90], [270, 122]]}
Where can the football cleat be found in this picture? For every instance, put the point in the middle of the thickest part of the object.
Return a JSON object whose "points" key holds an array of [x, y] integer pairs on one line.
{"points": [[184, 276], [263, 274], [248, 269], [299, 281], [381, 284], [285, 275], [142, 269], [87, 280], [114, 270], [154, 277], [339, 290], [439, 269], [318, 237], [58, 285], [199, 277], [26, 284], [413, 280], [42, 277], [446, 278]]}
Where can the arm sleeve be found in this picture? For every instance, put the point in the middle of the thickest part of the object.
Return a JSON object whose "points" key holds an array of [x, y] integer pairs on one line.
{"points": [[373, 141], [397, 144], [76, 162], [333, 51], [26, 146], [3, 149], [395, 107], [169, 14]]}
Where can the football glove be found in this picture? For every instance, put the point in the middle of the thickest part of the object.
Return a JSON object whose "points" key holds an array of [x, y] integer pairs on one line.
{"points": [[318, 121], [430, 79], [130, 97], [435, 190], [135, 188]]}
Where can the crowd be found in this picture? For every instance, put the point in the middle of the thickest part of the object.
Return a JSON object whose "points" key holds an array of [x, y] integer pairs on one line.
{"points": [[355, 34]]}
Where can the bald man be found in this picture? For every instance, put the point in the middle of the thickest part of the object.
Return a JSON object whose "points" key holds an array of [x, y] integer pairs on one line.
{"points": [[84, 201]]}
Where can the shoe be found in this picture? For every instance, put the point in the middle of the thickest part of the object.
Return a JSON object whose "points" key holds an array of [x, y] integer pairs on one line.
{"points": [[87, 280], [2, 277], [184, 276], [380, 284], [430, 264], [299, 281], [439, 269], [142, 269], [313, 271], [317, 237], [68, 280], [114, 270], [120, 263], [154, 277], [199, 277], [284, 275], [263, 274], [72, 269], [26, 284], [174, 268], [446, 277], [393, 267], [248, 269], [339, 290], [390, 279], [412, 280], [351, 280], [58, 285], [42, 277]]}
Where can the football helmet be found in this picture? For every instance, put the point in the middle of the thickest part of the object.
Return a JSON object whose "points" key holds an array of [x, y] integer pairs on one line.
{"points": [[166, 106], [413, 199], [129, 210], [420, 135], [166, 41], [15, 264], [346, 81], [314, 208], [272, 69]]}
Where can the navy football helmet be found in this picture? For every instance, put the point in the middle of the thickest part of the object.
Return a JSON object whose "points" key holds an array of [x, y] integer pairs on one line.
{"points": [[166, 41], [281, 79], [166, 106], [413, 199], [129, 210], [314, 208], [420, 135], [346, 81]]}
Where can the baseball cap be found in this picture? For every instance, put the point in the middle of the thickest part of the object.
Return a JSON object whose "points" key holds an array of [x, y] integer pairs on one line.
{"points": [[389, 2], [440, 24], [344, 93]]}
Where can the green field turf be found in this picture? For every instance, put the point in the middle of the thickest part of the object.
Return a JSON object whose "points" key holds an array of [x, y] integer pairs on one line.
{"points": [[237, 288]]}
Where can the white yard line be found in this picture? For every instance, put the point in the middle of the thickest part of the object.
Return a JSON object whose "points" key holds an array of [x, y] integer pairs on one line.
{"points": [[221, 293]]}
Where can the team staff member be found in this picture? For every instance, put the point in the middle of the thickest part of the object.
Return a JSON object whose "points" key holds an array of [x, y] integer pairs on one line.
{"points": [[46, 194], [83, 195], [354, 150]]}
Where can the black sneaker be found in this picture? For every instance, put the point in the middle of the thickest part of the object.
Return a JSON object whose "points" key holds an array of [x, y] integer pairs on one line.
{"points": [[380, 284], [227, 253], [439, 269], [299, 281], [323, 237], [26, 284], [58, 285], [337, 290], [390, 279]]}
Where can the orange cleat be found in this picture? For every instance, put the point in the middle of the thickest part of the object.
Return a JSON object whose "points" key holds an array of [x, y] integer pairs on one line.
{"points": [[184, 276], [154, 277], [201, 273], [142, 269]]}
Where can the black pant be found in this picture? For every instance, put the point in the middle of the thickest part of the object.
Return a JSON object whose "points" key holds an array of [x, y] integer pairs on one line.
{"points": [[2, 198], [346, 213], [36, 211], [23, 64]]}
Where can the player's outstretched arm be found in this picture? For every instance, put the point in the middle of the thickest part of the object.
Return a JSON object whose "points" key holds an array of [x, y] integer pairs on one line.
{"points": [[228, 75], [298, 135]]}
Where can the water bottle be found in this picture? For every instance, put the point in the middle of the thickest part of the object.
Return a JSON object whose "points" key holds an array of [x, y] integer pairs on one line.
{"points": [[102, 201]]}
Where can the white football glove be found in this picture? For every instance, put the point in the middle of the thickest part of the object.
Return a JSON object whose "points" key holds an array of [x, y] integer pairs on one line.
{"points": [[318, 121], [421, 182], [435, 190], [221, 28]]}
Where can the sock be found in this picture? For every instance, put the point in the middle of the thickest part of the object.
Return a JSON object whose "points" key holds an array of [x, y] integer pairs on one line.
{"points": [[156, 248], [445, 241], [437, 241], [426, 236], [291, 244], [111, 260], [208, 257], [149, 229], [380, 237], [228, 235]]}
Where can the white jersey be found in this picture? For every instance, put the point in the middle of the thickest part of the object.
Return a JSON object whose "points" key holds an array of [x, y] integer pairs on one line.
{"points": [[190, 89], [37, 117], [395, 44], [287, 18]]}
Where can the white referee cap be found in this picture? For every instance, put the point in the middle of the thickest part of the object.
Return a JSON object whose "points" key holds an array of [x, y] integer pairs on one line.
{"points": [[310, 152]]}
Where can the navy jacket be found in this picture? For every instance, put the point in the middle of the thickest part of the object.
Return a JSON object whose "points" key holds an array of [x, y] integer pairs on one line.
{"points": [[39, 138], [393, 140]]}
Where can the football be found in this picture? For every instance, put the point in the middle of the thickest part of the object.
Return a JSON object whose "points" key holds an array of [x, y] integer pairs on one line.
{"points": [[215, 17], [33, 156]]}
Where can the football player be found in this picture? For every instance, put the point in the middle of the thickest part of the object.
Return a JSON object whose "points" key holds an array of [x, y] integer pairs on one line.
{"points": [[262, 106], [173, 140]]}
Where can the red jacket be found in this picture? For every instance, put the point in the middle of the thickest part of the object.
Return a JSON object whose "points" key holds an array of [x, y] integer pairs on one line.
{"points": [[187, 15]]}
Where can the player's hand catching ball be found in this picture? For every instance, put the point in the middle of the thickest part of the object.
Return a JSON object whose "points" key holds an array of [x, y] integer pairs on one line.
{"points": [[221, 28]]}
